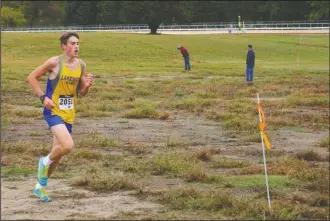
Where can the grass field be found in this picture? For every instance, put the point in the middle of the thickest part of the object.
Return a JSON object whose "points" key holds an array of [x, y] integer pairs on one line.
{"points": [[187, 142]]}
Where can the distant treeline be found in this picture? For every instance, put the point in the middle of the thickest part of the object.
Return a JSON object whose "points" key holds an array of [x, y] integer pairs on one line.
{"points": [[153, 13]]}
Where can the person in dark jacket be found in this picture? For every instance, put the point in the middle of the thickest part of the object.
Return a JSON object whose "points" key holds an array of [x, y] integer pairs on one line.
{"points": [[185, 55], [250, 57]]}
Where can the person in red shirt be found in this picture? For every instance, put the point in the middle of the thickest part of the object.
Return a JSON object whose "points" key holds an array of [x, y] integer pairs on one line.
{"points": [[185, 55]]}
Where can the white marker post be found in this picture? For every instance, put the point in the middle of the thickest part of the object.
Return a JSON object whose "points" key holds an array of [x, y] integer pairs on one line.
{"points": [[264, 154]]}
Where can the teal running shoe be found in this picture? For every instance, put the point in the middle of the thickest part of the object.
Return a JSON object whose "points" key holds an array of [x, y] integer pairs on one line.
{"points": [[42, 173], [41, 193]]}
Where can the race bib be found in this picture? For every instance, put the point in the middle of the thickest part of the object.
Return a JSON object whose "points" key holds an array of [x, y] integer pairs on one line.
{"points": [[65, 102]]}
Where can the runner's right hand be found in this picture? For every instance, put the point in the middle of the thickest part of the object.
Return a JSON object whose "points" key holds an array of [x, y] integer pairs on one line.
{"points": [[48, 103]]}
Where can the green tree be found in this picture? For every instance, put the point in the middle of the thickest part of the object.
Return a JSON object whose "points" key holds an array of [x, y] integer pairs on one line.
{"points": [[293, 11], [39, 12], [81, 13], [227, 11], [12, 17], [42, 12], [153, 13], [11, 4], [267, 11], [58, 7], [319, 10], [108, 12]]}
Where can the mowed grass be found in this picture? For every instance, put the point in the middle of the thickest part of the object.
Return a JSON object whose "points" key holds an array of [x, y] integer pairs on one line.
{"points": [[141, 77], [111, 53]]}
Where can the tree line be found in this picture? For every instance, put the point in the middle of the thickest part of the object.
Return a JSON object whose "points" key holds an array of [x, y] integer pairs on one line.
{"points": [[154, 13]]}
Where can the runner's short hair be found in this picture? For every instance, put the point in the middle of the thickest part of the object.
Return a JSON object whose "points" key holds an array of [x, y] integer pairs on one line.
{"points": [[64, 37]]}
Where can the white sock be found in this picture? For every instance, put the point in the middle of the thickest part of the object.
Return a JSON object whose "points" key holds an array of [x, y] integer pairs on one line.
{"points": [[47, 161], [38, 186]]}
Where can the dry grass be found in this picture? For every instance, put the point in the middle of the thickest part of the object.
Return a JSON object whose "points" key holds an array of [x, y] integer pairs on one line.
{"points": [[34, 149], [309, 155], [206, 154], [197, 173], [224, 162], [325, 143], [146, 112], [175, 142], [137, 147], [100, 180], [97, 141]]}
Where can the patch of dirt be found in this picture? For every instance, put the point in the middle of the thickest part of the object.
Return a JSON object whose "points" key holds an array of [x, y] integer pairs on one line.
{"points": [[291, 141], [159, 183], [18, 202], [194, 130], [22, 132]]}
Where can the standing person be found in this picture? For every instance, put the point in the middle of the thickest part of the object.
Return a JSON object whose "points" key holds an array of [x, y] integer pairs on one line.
{"points": [[67, 76], [230, 28], [250, 57], [185, 55]]}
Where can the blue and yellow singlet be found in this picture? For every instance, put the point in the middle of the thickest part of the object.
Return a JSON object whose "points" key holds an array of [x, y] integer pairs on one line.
{"points": [[63, 91]]}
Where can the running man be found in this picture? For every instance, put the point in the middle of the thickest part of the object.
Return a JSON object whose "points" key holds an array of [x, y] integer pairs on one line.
{"points": [[67, 76]]}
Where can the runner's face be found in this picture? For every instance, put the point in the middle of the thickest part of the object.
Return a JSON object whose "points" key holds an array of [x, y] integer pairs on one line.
{"points": [[72, 47]]}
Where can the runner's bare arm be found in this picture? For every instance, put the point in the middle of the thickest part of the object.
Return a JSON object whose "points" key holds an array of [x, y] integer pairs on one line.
{"points": [[40, 71], [86, 81]]}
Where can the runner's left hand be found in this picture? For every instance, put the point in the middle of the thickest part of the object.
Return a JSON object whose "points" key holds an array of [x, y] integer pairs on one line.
{"points": [[88, 80]]}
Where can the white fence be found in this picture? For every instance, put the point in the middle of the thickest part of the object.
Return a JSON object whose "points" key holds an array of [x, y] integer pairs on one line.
{"points": [[265, 27]]}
